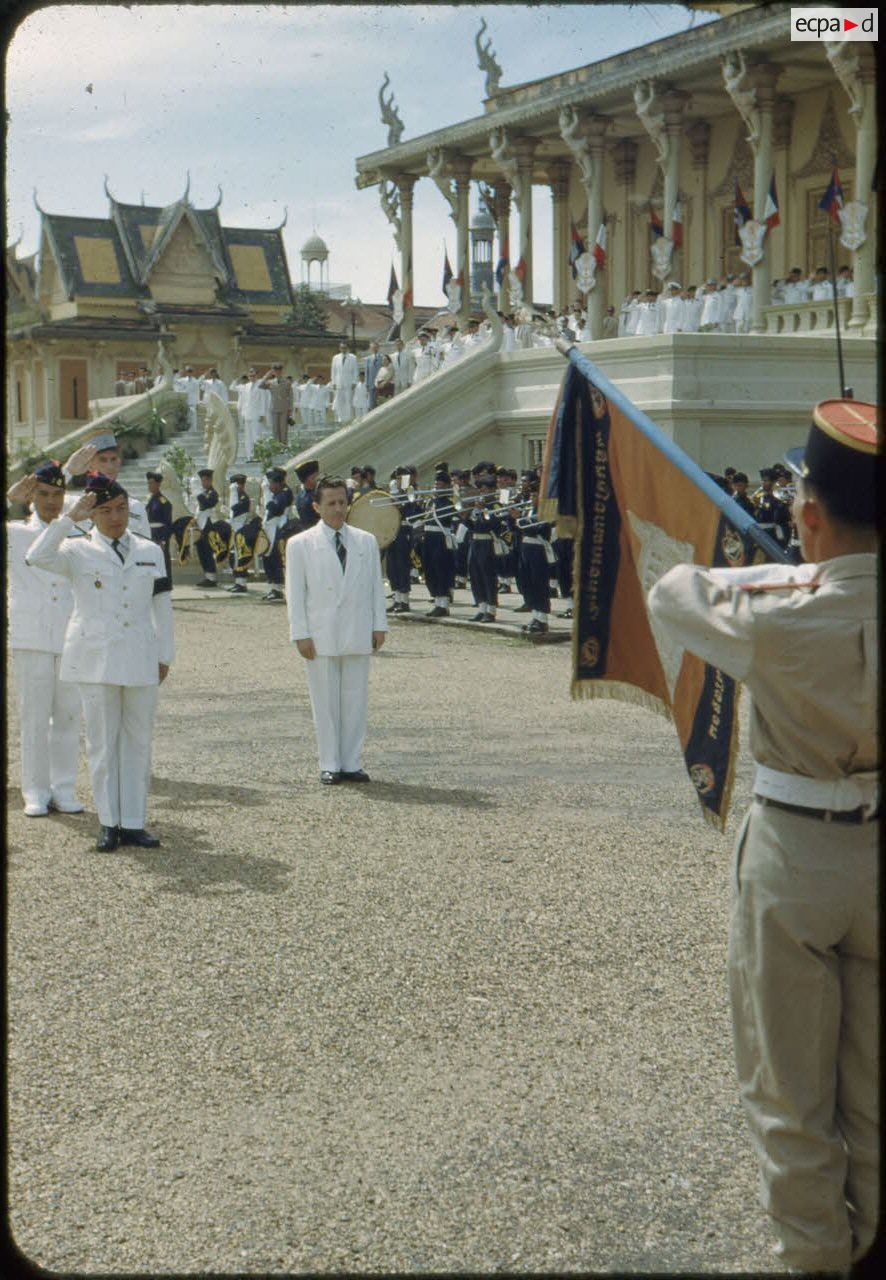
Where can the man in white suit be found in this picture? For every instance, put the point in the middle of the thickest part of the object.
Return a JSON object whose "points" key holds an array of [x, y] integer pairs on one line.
{"points": [[336, 602], [39, 606], [118, 648]]}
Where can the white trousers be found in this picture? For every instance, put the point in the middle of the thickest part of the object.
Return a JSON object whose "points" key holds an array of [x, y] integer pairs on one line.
{"points": [[119, 729], [49, 710], [339, 689]]}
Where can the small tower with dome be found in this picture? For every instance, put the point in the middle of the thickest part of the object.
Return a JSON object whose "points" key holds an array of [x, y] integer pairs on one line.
{"points": [[314, 250], [482, 231]]}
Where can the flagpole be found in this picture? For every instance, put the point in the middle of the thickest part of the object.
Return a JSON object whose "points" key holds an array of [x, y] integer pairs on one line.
{"points": [[844, 390], [735, 514]]}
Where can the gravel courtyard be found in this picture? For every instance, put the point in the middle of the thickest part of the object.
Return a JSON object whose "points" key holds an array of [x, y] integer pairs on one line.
{"points": [[471, 1017]]}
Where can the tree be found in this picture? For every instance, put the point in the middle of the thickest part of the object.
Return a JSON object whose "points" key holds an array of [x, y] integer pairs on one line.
{"points": [[307, 311]]}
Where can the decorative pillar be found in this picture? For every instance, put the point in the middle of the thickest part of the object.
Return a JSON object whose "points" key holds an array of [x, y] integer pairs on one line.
{"points": [[624, 159], [405, 187], [752, 90], [782, 122], [524, 149], [558, 181], [503, 225], [854, 67], [461, 169], [695, 259], [674, 103], [585, 138]]}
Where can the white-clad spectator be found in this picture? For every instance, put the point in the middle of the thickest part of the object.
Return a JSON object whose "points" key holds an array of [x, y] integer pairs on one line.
{"points": [[710, 309], [845, 286], [744, 304], [671, 307], [820, 288], [728, 300], [796, 289]]}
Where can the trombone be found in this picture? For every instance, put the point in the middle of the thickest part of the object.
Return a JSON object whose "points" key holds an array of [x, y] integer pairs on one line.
{"points": [[452, 509], [407, 496]]}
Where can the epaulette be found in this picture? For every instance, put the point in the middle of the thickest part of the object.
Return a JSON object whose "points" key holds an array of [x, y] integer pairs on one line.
{"points": [[758, 588]]}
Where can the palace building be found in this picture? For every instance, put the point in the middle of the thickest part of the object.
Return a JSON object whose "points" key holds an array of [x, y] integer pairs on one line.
{"points": [[656, 139], [92, 304]]}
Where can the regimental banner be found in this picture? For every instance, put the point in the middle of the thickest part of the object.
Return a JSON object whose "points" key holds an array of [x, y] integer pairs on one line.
{"points": [[634, 515]]}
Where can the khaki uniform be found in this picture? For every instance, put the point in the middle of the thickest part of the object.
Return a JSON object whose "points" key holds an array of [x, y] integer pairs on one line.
{"points": [[803, 948]]}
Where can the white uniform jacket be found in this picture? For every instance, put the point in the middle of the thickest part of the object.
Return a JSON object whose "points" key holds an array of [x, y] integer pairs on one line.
{"points": [[39, 600], [119, 631], [338, 611]]}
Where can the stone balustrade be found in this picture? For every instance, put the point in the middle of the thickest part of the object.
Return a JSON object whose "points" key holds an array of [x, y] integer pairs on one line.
{"points": [[807, 317]]}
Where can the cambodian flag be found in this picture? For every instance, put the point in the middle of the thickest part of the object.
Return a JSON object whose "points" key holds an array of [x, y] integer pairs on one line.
{"points": [[576, 248], [447, 272], [677, 225], [393, 286], [407, 293], [771, 216], [503, 263], [599, 249], [832, 200], [655, 222], [520, 270]]}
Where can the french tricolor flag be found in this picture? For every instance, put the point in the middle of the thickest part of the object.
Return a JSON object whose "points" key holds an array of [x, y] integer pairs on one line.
{"points": [[599, 247], [655, 223], [771, 216], [677, 225], [832, 200]]}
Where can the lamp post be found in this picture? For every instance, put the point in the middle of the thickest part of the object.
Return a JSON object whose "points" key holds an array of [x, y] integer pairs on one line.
{"points": [[351, 305]]}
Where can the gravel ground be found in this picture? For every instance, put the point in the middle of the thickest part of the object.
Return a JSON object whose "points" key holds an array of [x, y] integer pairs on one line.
{"points": [[469, 1018]]}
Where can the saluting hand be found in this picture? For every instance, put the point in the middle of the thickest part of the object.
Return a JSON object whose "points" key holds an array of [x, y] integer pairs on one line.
{"points": [[82, 508], [22, 490]]}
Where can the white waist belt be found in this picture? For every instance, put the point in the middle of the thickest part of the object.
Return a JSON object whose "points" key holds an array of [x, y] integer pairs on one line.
{"points": [[482, 537], [837, 794]]}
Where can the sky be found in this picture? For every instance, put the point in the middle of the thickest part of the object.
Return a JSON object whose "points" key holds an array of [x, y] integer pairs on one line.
{"points": [[274, 102]]}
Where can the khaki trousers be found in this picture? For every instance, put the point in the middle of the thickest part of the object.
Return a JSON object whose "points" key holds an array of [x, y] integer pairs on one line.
{"points": [[803, 974]]}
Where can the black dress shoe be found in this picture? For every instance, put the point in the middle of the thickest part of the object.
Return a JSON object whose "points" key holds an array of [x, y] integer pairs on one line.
{"points": [[238, 589], [523, 608], [357, 775], [207, 582], [536, 628], [329, 779], [108, 839], [567, 613], [142, 838], [486, 617], [478, 617], [437, 612]]}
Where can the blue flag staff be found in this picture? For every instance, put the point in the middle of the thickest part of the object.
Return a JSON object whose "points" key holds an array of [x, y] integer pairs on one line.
{"points": [[736, 515]]}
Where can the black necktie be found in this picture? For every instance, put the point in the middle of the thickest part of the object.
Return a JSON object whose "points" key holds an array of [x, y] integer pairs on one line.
{"points": [[115, 543], [340, 549]]}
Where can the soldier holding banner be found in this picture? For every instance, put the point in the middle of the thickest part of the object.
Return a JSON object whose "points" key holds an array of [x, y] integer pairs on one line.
{"points": [[803, 951]]}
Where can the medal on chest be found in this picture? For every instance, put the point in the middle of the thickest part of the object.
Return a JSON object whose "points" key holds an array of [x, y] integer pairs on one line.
{"points": [[98, 581]]}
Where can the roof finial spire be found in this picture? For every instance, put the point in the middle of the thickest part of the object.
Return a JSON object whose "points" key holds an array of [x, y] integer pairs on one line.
{"points": [[108, 191], [285, 217], [217, 204], [42, 212], [187, 187]]}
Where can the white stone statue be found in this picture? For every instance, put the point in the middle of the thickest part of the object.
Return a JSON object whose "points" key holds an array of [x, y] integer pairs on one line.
{"points": [[742, 92], [486, 61], [504, 156], [220, 435], [572, 133], [173, 490], [844, 59], [165, 367], [652, 118], [389, 114], [390, 203], [436, 162]]}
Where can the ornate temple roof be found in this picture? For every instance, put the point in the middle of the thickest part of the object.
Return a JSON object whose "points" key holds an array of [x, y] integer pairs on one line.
{"points": [[115, 256]]}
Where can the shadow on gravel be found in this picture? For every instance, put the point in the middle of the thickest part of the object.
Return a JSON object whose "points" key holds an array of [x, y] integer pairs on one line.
{"points": [[406, 793], [190, 792], [189, 866]]}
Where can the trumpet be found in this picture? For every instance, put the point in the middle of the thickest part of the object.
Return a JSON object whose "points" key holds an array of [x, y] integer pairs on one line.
{"points": [[449, 510], [408, 496]]}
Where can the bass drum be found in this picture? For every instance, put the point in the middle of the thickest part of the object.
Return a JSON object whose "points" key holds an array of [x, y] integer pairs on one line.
{"points": [[380, 516]]}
